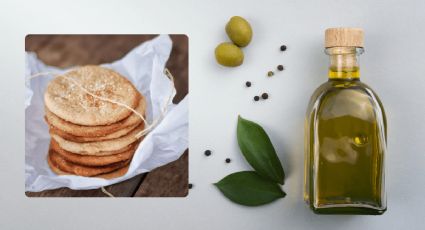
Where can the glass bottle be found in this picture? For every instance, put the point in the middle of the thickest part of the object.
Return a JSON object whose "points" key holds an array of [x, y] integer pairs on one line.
{"points": [[345, 135]]}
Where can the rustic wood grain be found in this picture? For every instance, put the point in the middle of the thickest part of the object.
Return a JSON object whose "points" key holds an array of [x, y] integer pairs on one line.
{"points": [[71, 50], [168, 180]]}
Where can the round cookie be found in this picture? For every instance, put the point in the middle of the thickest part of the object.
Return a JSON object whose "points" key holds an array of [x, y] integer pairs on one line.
{"points": [[93, 160], [98, 148], [95, 131], [58, 162], [68, 101], [70, 137], [111, 175], [106, 153], [114, 174]]}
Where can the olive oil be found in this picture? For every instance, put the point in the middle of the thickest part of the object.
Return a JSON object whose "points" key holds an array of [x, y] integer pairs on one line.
{"points": [[345, 139]]}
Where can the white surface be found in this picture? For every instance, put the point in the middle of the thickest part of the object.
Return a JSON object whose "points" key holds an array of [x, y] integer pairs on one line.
{"points": [[166, 141], [392, 64]]}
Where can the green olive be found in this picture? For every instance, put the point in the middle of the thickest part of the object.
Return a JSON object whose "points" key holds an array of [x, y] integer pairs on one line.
{"points": [[228, 54], [239, 31]]}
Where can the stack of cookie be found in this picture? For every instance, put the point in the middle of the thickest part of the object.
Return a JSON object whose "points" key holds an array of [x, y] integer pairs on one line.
{"points": [[89, 136]]}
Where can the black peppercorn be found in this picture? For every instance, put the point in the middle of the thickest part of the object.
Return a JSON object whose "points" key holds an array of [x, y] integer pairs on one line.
{"points": [[282, 48], [256, 98], [190, 186], [280, 67], [207, 152], [248, 84], [264, 96], [228, 160]]}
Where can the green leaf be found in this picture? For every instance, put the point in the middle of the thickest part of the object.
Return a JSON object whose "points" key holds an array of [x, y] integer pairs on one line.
{"points": [[258, 150], [250, 189]]}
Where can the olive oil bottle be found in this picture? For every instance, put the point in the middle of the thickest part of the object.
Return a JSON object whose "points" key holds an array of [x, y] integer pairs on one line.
{"points": [[345, 135]]}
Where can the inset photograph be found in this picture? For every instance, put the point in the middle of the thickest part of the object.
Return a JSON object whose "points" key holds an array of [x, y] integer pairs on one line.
{"points": [[106, 115]]}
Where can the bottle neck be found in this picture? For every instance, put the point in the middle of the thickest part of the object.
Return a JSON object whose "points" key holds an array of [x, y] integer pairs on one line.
{"points": [[344, 63]]}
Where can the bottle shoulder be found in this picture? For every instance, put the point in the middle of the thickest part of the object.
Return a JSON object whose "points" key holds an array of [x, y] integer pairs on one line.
{"points": [[339, 98], [341, 88]]}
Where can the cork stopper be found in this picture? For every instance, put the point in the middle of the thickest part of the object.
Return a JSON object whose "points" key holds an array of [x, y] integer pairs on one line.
{"points": [[345, 37]]}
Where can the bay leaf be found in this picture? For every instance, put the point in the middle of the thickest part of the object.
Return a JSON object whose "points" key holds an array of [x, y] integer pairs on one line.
{"points": [[249, 189], [258, 150]]}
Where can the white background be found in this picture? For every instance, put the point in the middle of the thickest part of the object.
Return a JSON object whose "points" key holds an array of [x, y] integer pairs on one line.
{"points": [[393, 65]]}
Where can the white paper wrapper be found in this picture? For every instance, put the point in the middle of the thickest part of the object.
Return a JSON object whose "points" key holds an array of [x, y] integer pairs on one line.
{"points": [[143, 66]]}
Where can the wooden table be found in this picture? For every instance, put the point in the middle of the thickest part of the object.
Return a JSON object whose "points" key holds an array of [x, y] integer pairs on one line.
{"points": [[170, 180]]}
